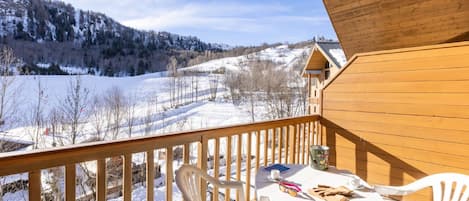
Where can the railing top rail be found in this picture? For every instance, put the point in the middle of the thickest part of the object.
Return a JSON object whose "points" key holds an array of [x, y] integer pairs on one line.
{"points": [[18, 162]]}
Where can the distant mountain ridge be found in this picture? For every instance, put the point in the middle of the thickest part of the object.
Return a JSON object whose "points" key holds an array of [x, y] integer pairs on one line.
{"points": [[42, 31]]}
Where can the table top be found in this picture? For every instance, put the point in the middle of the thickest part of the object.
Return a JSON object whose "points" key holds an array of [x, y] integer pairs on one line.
{"points": [[308, 178]]}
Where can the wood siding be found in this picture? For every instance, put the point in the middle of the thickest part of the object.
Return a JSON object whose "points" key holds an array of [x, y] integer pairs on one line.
{"points": [[395, 116], [371, 25]]}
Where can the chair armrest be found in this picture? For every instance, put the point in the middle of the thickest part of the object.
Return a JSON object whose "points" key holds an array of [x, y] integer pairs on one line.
{"points": [[392, 190], [231, 184]]}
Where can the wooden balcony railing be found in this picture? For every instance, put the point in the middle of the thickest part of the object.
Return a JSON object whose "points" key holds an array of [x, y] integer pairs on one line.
{"points": [[284, 140]]}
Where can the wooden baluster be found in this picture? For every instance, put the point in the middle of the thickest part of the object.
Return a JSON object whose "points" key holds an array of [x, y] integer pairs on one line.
{"points": [[127, 183], [291, 144], [203, 148], [316, 133], [238, 162], [70, 182], [308, 141], [101, 189], [272, 146], [297, 142], [323, 135], [248, 167], [305, 140], [216, 166], [228, 166], [169, 173], [150, 175], [186, 154], [287, 144], [313, 132], [258, 148], [266, 146], [280, 144], [34, 185]]}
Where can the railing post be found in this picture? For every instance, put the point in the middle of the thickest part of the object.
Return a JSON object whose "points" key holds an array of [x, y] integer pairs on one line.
{"points": [[186, 154], [280, 143], [228, 166], [238, 162], [70, 178], [272, 146], [298, 143], [248, 166], [266, 146], [258, 149], [150, 175], [202, 164], [101, 180], [216, 166], [34, 185], [292, 143], [127, 183], [169, 174]]}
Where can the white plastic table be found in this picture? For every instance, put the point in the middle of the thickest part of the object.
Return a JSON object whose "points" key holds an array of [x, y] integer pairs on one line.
{"points": [[308, 178]]}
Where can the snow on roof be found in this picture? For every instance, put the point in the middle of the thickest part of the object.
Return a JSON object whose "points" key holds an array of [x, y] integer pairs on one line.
{"points": [[334, 51]]}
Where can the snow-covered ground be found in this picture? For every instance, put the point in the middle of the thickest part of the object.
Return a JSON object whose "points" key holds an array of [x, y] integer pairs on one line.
{"points": [[192, 115], [280, 54]]}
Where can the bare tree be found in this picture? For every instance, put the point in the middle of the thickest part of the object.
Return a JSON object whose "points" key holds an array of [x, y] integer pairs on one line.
{"points": [[130, 106], [98, 115], [115, 101], [74, 105], [37, 113], [148, 119], [213, 82], [55, 119], [8, 94], [172, 74], [232, 82]]}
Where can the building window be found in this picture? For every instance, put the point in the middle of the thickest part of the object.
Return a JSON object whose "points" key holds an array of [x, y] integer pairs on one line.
{"points": [[327, 70]]}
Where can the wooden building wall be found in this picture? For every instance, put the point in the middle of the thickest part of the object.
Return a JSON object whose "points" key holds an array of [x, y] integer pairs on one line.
{"points": [[396, 116], [371, 25]]}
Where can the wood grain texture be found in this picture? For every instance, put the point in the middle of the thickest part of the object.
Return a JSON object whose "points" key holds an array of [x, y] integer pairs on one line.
{"points": [[187, 153], [228, 165], [400, 121], [127, 178], [34, 185], [101, 180], [18, 162], [266, 146], [150, 177], [216, 167], [34, 161], [290, 144], [239, 145], [70, 182], [248, 166], [370, 25]]}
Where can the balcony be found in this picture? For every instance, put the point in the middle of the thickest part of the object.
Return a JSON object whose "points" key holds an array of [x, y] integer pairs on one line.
{"points": [[278, 141]]}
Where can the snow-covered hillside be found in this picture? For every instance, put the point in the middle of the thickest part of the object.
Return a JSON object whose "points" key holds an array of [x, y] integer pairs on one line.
{"points": [[198, 114], [152, 96], [282, 55]]}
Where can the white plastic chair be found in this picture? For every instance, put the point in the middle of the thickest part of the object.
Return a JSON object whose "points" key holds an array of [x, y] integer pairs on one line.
{"points": [[442, 185], [187, 180]]}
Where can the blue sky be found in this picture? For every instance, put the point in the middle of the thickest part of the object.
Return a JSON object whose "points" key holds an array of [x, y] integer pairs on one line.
{"points": [[240, 22]]}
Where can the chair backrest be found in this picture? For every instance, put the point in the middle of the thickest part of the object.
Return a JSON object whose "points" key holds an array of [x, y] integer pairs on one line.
{"points": [[187, 180], [442, 185]]}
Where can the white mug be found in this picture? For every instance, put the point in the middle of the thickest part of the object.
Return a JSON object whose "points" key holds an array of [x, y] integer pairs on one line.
{"points": [[275, 174]]}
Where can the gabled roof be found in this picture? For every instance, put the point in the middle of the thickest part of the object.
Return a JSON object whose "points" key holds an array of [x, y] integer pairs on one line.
{"points": [[323, 52], [334, 53], [373, 25]]}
